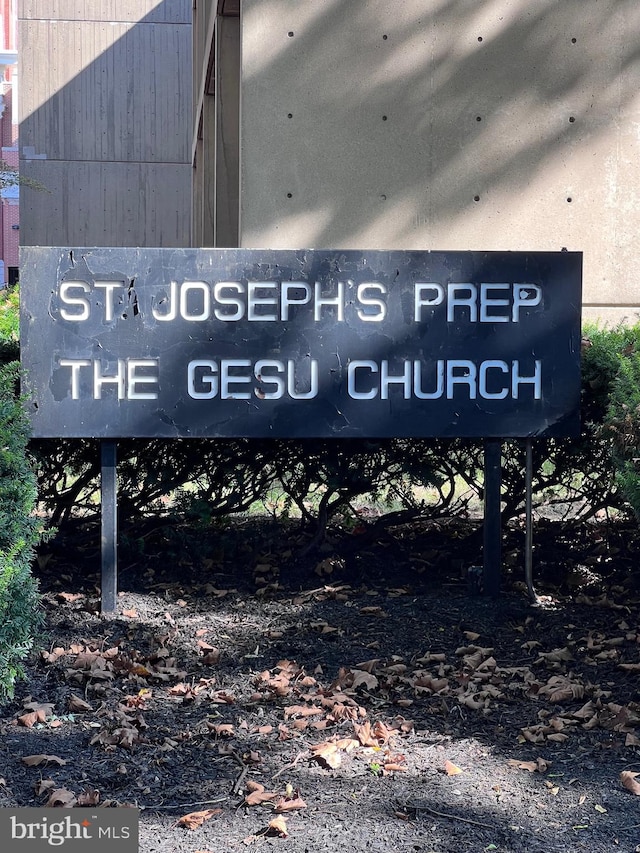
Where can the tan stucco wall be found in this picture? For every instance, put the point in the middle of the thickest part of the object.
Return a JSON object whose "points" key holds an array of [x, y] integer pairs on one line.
{"points": [[446, 125]]}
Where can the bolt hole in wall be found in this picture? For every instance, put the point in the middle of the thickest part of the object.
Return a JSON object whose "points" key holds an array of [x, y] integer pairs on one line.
{"points": [[476, 198]]}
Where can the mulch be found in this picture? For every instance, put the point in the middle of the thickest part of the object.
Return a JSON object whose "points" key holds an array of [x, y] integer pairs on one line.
{"points": [[359, 699]]}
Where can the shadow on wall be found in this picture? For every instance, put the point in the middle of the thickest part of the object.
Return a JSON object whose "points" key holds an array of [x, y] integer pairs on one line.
{"points": [[106, 124], [400, 121]]}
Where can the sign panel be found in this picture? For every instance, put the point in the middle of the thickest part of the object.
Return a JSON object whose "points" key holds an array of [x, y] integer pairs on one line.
{"points": [[300, 343]]}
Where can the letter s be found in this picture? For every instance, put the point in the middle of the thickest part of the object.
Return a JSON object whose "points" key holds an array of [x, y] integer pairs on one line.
{"points": [[80, 302]]}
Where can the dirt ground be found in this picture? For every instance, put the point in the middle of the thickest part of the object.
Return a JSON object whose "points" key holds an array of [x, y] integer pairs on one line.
{"points": [[363, 699]]}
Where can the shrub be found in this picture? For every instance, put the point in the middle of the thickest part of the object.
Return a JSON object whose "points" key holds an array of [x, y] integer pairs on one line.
{"points": [[623, 419], [19, 599]]}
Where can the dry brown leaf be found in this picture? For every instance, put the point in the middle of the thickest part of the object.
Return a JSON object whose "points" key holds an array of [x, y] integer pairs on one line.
{"points": [[89, 797], [37, 760], [285, 804], [76, 705], [278, 826], [531, 766], [256, 798], [195, 819], [365, 734], [452, 769], [32, 718], [628, 781], [61, 798], [326, 753], [301, 711], [368, 665], [251, 785], [364, 679], [222, 729]]}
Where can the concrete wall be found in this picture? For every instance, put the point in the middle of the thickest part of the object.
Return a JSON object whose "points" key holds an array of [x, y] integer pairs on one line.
{"points": [[105, 109], [454, 124]]}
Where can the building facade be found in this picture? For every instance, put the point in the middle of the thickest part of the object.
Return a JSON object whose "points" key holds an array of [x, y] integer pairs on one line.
{"points": [[105, 117], [9, 192], [486, 125], [492, 125]]}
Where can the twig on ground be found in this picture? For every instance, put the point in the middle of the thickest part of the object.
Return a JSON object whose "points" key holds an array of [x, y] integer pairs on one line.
{"points": [[183, 805], [245, 769], [290, 766], [420, 807]]}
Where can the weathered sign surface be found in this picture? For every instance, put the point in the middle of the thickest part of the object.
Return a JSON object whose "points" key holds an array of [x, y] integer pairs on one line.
{"points": [[122, 342]]}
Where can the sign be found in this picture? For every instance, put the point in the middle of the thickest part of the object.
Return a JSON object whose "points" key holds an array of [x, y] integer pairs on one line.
{"points": [[41, 829], [300, 343]]}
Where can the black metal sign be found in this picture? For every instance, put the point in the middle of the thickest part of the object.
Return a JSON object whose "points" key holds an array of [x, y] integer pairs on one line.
{"points": [[241, 342]]}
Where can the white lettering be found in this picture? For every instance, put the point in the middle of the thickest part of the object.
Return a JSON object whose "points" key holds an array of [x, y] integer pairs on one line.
{"points": [[369, 301], [419, 300], [257, 301], [286, 300], [486, 303], [231, 300], [386, 379], [226, 379], [109, 288], [336, 301], [467, 377], [207, 379], [351, 379], [492, 379], [492, 365], [202, 309], [536, 380], [525, 296], [80, 302], [75, 365], [457, 299]]}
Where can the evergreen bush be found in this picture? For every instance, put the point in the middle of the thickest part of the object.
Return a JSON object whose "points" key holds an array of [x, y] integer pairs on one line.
{"points": [[19, 598]]}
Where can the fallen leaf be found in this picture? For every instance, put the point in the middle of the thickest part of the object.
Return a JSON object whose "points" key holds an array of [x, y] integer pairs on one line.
{"points": [[287, 805], [326, 753], [89, 797], [61, 798], [258, 797], [37, 760], [628, 781], [452, 769], [278, 826], [531, 766], [195, 819], [76, 705], [32, 718]]}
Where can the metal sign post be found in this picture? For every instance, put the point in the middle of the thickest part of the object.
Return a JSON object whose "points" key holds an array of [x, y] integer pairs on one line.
{"points": [[109, 520], [492, 551]]}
